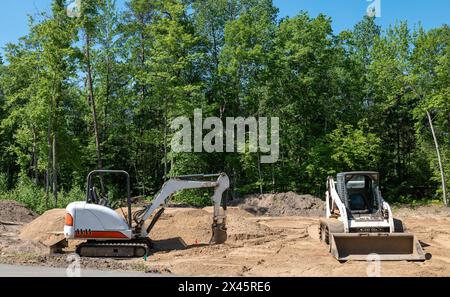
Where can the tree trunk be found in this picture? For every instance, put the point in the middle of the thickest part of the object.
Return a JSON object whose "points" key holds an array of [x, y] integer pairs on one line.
{"points": [[107, 92], [55, 177], [93, 108], [441, 169], [273, 178], [142, 39], [260, 179], [35, 157], [49, 163], [165, 140]]}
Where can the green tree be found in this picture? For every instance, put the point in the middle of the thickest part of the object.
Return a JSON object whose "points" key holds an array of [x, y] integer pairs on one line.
{"points": [[245, 63], [37, 85], [172, 74], [307, 94], [143, 131], [429, 84], [354, 148]]}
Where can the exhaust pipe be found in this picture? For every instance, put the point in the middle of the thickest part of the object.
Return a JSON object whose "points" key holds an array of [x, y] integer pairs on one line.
{"points": [[388, 246]]}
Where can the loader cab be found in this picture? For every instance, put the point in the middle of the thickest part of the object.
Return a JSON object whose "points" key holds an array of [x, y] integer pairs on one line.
{"points": [[360, 193]]}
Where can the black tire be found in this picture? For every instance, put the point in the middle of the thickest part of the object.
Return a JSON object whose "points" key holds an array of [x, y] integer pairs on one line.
{"points": [[140, 251], [329, 226], [399, 227]]}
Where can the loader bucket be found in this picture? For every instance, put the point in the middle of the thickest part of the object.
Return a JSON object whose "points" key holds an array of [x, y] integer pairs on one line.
{"points": [[386, 246]]}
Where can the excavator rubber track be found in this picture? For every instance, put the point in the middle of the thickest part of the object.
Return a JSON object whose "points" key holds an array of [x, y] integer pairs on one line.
{"points": [[114, 249]]}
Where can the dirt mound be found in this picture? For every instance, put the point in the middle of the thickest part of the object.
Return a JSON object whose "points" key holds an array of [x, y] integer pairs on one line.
{"points": [[13, 211], [283, 204], [193, 226], [46, 227], [177, 228], [240, 225], [428, 211]]}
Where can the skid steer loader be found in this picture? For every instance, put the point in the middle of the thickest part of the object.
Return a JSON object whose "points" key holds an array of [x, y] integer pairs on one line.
{"points": [[359, 222], [110, 234]]}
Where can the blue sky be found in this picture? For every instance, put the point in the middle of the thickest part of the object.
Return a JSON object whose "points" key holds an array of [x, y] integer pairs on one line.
{"points": [[345, 13]]}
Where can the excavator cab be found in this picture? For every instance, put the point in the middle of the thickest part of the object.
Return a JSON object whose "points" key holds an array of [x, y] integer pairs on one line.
{"points": [[97, 194]]}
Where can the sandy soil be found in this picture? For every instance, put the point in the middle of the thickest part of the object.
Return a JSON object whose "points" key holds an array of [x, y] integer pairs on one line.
{"points": [[12, 211], [281, 204], [256, 246]]}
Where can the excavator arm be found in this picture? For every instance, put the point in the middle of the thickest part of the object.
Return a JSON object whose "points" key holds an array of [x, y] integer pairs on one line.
{"points": [[179, 183]]}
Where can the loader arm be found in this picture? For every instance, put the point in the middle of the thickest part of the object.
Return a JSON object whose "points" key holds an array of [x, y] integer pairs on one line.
{"points": [[333, 202], [387, 207]]}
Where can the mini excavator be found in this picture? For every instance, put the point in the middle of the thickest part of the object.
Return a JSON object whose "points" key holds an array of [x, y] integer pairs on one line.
{"points": [[107, 233]]}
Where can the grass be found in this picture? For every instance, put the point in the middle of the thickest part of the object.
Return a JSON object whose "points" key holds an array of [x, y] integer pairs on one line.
{"points": [[417, 203], [34, 197]]}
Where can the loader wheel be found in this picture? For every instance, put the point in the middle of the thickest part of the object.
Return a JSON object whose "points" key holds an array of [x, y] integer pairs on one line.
{"points": [[398, 226], [328, 226], [324, 234]]}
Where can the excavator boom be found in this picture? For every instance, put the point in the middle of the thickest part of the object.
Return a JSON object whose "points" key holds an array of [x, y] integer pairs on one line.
{"points": [[185, 182]]}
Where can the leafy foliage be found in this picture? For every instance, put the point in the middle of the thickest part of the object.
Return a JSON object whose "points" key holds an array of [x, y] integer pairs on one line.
{"points": [[350, 101]]}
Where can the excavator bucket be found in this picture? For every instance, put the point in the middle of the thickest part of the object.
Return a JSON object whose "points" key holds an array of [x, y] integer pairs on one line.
{"points": [[219, 234], [385, 246]]}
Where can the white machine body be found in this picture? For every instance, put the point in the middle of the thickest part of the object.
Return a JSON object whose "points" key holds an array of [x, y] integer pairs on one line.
{"points": [[334, 205], [92, 221]]}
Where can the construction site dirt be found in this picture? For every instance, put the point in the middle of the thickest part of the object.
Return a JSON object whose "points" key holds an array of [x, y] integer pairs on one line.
{"points": [[259, 243]]}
